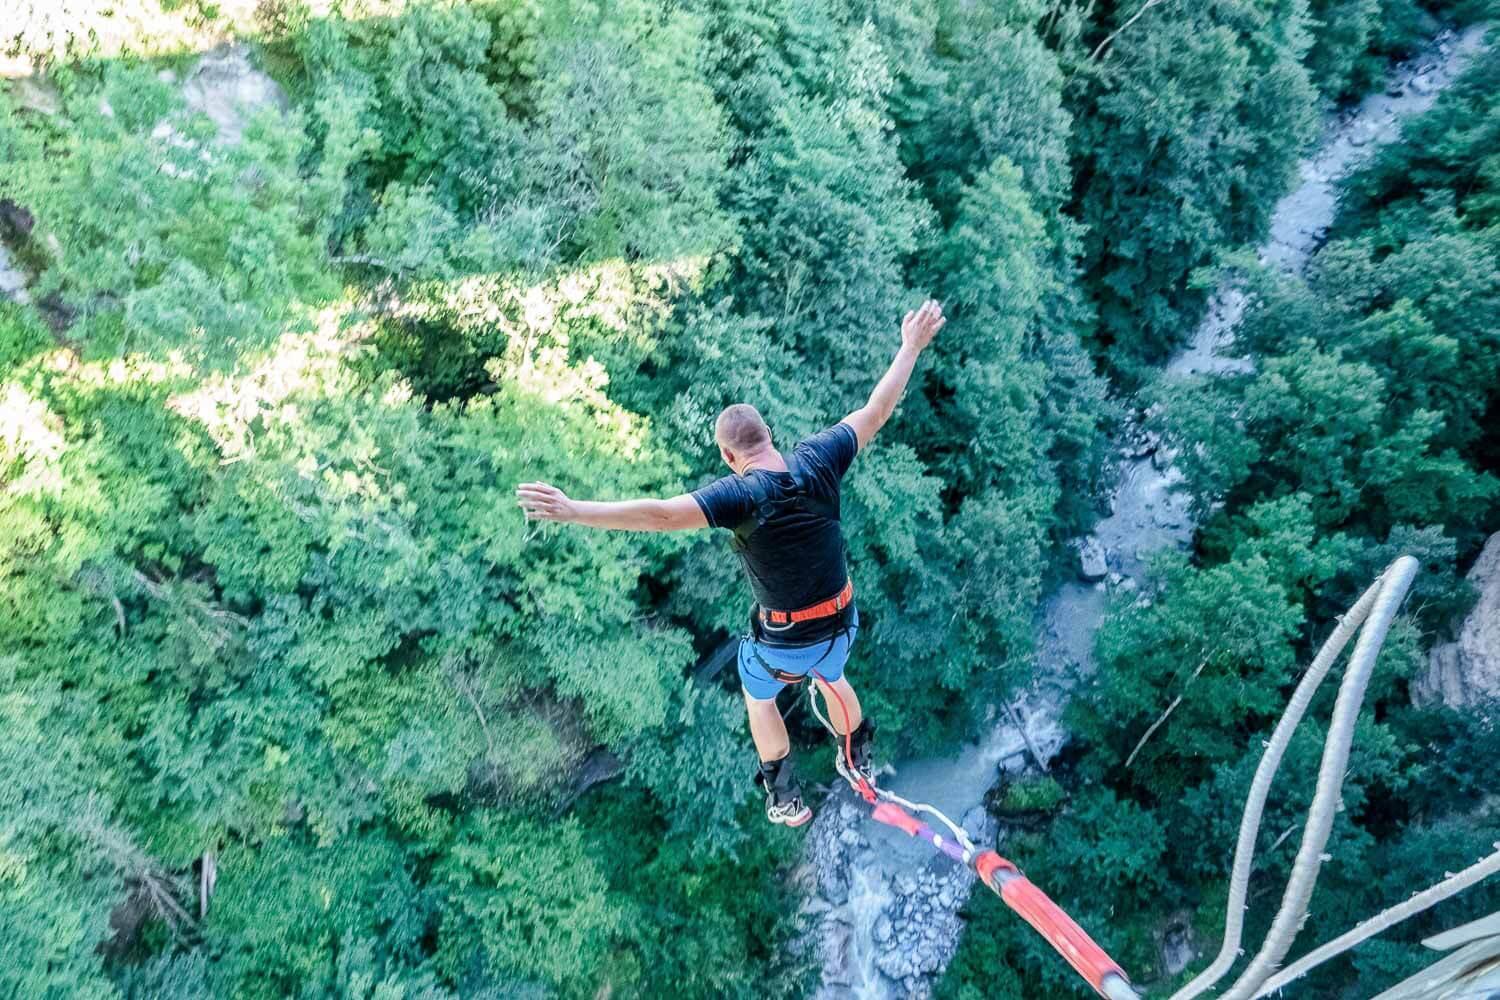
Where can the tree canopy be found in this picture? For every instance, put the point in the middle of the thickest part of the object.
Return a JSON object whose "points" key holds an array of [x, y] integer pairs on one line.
{"points": [[295, 702]]}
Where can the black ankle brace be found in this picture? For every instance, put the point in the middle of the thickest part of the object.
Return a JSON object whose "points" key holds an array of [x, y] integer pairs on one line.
{"points": [[779, 778]]}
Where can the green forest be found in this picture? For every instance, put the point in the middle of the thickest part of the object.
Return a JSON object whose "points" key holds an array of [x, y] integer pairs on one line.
{"points": [[295, 703]]}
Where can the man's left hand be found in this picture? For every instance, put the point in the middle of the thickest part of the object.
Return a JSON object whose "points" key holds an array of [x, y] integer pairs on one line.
{"points": [[543, 502]]}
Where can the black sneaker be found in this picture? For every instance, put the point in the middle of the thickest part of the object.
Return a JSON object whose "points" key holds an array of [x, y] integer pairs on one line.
{"points": [[784, 803], [861, 745]]}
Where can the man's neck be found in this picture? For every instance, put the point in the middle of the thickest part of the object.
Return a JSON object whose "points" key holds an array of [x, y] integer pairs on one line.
{"points": [[770, 459]]}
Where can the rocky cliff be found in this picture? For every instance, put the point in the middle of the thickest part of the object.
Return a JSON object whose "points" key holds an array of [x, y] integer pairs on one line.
{"points": [[1467, 670]]}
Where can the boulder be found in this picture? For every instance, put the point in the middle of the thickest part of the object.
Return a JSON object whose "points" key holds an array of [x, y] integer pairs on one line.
{"points": [[36, 94], [833, 884], [836, 953], [226, 87], [1467, 670], [1142, 443], [1092, 564], [12, 279], [978, 824], [1176, 946]]}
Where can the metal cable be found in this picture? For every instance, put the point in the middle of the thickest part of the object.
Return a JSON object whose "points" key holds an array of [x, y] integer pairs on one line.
{"points": [[1394, 584], [959, 835], [1260, 787], [1450, 886]]}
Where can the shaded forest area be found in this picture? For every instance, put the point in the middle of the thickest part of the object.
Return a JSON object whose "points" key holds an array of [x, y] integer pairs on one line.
{"points": [[1366, 430], [269, 615]]}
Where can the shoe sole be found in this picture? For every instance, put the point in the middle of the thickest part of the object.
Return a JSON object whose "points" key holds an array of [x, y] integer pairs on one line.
{"points": [[851, 775], [795, 821]]}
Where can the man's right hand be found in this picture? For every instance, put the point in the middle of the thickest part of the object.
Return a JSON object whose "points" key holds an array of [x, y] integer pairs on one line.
{"points": [[544, 502], [921, 325], [917, 331]]}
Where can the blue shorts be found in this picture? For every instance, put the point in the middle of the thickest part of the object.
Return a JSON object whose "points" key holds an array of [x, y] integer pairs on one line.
{"points": [[827, 657]]}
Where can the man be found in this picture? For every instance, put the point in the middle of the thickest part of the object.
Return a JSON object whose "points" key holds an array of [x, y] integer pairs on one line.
{"points": [[784, 512]]}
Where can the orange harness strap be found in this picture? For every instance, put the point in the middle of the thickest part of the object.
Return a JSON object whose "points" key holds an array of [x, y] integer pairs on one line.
{"points": [[823, 609]]}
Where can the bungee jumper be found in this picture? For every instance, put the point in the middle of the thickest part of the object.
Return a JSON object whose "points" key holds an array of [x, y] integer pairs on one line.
{"points": [[783, 510]]}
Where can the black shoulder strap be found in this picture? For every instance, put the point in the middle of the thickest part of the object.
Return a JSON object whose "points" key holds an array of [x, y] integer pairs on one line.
{"points": [[805, 498], [759, 496], [794, 467]]}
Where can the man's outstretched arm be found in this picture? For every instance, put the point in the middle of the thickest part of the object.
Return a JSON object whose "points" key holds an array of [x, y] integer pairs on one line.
{"points": [[917, 331], [542, 502]]}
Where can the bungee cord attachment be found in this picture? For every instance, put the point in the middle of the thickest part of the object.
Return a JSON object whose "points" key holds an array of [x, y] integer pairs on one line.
{"points": [[999, 875]]}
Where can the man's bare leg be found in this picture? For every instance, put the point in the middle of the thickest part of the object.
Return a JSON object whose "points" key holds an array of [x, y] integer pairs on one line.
{"points": [[783, 795], [836, 710], [767, 729]]}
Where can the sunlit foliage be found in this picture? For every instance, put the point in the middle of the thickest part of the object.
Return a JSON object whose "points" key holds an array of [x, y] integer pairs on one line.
{"points": [[293, 700]]}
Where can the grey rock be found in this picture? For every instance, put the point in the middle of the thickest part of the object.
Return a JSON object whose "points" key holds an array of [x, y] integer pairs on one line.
{"points": [[1177, 948], [836, 953], [834, 885], [978, 824], [816, 906], [1092, 564], [12, 280], [36, 94], [1467, 670], [895, 964], [1142, 444], [226, 87]]}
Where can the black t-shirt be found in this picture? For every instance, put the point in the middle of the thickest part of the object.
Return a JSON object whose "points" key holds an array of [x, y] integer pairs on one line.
{"points": [[796, 557]]}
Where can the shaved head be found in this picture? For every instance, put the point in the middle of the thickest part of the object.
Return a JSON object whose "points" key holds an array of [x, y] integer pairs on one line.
{"points": [[741, 430]]}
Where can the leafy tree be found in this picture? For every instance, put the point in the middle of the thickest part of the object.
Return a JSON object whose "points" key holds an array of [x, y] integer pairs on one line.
{"points": [[523, 904], [1196, 121], [267, 609]]}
